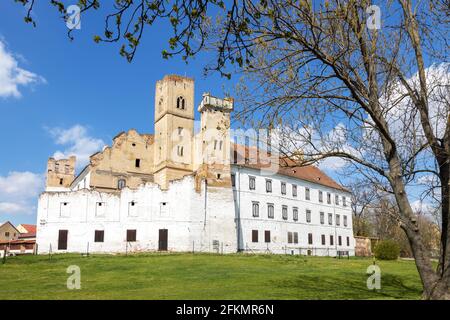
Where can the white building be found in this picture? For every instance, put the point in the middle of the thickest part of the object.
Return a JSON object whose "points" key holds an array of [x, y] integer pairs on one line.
{"points": [[180, 190]]}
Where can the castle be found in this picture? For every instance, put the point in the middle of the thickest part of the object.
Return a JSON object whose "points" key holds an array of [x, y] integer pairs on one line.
{"points": [[191, 189]]}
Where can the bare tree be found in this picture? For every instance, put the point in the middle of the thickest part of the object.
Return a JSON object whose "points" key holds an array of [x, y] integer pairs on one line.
{"points": [[339, 86]]}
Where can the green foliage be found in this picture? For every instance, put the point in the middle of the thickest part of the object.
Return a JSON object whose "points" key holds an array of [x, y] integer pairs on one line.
{"points": [[387, 250]]}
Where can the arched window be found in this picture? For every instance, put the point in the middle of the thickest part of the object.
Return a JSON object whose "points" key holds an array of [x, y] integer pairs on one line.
{"points": [[121, 184], [180, 103]]}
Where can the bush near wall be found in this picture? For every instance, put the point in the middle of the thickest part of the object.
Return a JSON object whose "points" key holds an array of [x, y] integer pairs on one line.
{"points": [[387, 250]]}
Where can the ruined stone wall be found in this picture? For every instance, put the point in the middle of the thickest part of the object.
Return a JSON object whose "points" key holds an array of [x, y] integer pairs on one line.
{"points": [[129, 158], [60, 173]]}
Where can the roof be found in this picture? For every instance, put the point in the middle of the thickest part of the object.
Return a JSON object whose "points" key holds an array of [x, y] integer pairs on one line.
{"points": [[291, 168], [3, 223], [31, 228]]}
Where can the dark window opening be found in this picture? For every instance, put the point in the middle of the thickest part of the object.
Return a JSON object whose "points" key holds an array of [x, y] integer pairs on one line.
{"points": [[99, 236], [131, 235], [62, 239], [254, 235], [61, 181], [121, 184], [310, 238], [138, 163], [267, 236]]}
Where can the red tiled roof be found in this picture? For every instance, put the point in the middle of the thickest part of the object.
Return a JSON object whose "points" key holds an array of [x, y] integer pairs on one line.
{"points": [[289, 167], [31, 228]]}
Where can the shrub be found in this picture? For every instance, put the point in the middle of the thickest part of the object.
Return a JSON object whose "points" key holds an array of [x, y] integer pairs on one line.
{"points": [[387, 250]]}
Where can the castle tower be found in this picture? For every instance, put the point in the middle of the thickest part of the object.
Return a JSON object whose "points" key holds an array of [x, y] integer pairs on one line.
{"points": [[60, 173], [214, 139], [174, 128]]}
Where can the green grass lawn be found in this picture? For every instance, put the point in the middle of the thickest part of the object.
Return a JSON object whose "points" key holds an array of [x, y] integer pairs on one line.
{"points": [[204, 276]]}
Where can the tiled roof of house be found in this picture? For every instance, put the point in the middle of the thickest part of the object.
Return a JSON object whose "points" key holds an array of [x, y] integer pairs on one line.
{"points": [[31, 228], [289, 167]]}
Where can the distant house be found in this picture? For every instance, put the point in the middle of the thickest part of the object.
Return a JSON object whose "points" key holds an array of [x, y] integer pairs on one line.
{"points": [[8, 232], [27, 231], [20, 240]]}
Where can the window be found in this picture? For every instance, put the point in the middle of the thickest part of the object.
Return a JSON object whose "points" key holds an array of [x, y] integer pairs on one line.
{"points": [[254, 235], [270, 210], [180, 103], [289, 237], [121, 183], [330, 219], [294, 190], [283, 188], [336, 199], [99, 236], [308, 215], [331, 240], [348, 241], [323, 240], [307, 194], [233, 180], [320, 196], [255, 209], [310, 238], [180, 151], [64, 209], [62, 239], [328, 198], [295, 237], [284, 212], [132, 209], [61, 181], [322, 218], [100, 209], [338, 220], [180, 131], [131, 235], [267, 236], [344, 201], [340, 241], [295, 213], [6, 234], [251, 183], [345, 221], [133, 144], [268, 185], [137, 163]]}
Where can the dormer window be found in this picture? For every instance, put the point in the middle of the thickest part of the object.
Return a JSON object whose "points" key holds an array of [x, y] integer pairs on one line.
{"points": [[180, 103]]}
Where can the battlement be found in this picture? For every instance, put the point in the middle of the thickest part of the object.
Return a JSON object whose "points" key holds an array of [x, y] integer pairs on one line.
{"points": [[208, 101]]}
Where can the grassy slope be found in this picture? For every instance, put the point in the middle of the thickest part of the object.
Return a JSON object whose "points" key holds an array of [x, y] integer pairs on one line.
{"points": [[202, 276]]}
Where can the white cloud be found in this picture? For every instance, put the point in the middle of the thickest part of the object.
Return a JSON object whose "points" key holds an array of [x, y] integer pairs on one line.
{"points": [[18, 192], [12, 76], [77, 142]]}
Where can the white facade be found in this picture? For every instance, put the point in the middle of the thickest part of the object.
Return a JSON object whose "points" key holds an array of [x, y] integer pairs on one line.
{"points": [[288, 235], [200, 221], [216, 219]]}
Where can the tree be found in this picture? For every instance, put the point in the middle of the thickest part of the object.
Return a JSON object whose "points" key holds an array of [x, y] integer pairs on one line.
{"points": [[340, 86]]}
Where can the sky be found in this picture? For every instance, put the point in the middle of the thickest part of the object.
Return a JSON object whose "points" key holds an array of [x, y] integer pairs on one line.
{"points": [[59, 97]]}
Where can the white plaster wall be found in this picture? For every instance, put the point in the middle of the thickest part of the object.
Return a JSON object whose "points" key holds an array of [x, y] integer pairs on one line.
{"points": [[195, 219], [190, 226], [278, 227]]}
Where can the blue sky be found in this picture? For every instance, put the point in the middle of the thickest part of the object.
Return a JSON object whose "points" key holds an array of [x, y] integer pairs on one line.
{"points": [[74, 83], [58, 96]]}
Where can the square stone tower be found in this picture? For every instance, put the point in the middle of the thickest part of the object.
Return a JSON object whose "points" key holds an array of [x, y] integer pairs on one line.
{"points": [[174, 128], [212, 159], [60, 173]]}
